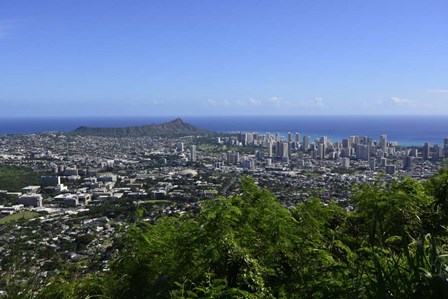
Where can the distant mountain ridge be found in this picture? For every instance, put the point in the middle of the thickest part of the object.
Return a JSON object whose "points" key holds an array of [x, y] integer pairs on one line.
{"points": [[175, 127]]}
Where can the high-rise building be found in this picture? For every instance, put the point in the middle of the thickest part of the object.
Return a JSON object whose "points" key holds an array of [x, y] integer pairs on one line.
{"points": [[345, 152], [363, 152], [390, 169], [372, 164], [278, 149], [345, 163], [306, 142], [297, 137], [286, 149], [322, 151], [269, 146], [250, 138], [407, 162], [243, 139], [437, 153], [180, 146], [363, 140], [193, 153], [289, 137], [248, 164], [413, 152], [426, 151], [282, 149], [233, 158], [383, 142], [445, 147]]}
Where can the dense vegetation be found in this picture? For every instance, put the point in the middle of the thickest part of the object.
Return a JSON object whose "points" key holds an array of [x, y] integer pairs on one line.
{"points": [[14, 178], [249, 246]]}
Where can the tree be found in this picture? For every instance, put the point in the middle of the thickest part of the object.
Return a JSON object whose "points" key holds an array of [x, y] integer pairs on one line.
{"points": [[249, 246]]}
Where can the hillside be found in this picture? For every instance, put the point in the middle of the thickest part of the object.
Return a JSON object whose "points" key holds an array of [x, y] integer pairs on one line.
{"points": [[393, 245], [173, 128]]}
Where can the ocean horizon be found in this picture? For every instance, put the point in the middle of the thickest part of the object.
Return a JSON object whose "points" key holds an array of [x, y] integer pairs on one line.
{"points": [[409, 130]]}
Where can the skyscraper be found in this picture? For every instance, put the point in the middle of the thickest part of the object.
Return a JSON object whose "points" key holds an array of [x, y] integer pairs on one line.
{"points": [[407, 162], [193, 153], [345, 163], [243, 138], [269, 145], [277, 137], [282, 149], [383, 142], [363, 152], [322, 151], [426, 151], [323, 139], [233, 158], [306, 142], [437, 153], [445, 147]]}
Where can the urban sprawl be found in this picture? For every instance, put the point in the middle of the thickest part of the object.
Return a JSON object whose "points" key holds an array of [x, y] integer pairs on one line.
{"points": [[91, 187]]}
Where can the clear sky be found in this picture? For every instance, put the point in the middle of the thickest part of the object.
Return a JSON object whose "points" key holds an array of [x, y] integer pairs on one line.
{"points": [[193, 57]]}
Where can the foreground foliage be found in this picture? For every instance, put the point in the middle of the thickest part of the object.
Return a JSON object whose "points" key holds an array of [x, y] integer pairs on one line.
{"points": [[249, 246]]}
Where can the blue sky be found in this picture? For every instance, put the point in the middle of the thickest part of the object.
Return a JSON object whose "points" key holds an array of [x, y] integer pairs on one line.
{"points": [[92, 57]]}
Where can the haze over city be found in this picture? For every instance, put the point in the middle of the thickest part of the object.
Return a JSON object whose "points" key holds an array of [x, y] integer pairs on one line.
{"points": [[109, 58]]}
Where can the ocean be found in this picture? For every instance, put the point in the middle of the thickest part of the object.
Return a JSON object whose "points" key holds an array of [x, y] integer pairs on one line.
{"points": [[406, 130]]}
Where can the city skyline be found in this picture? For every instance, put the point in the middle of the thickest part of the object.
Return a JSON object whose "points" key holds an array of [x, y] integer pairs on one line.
{"points": [[223, 58]]}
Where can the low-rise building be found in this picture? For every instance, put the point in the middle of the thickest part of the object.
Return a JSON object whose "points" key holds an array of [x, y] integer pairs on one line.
{"points": [[34, 200]]}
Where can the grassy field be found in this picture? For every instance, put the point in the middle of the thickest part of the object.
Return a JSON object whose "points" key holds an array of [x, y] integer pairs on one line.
{"points": [[18, 216], [13, 178]]}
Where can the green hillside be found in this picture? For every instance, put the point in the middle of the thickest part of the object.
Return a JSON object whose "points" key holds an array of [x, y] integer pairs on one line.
{"points": [[393, 245], [14, 178]]}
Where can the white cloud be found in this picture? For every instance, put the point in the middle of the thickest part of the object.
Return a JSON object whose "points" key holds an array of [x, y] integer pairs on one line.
{"points": [[399, 101], [438, 91], [248, 102], [278, 102], [396, 101], [214, 103], [317, 102]]}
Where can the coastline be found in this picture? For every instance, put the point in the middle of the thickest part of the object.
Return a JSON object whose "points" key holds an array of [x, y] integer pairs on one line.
{"points": [[407, 130]]}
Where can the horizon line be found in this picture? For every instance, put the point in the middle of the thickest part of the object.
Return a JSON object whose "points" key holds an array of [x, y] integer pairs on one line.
{"points": [[222, 115]]}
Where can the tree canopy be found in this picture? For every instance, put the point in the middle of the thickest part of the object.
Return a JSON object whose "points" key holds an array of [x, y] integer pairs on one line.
{"points": [[249, 246]]}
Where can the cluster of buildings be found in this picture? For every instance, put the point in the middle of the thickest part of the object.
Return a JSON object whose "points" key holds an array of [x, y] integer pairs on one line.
{"points": [[378, 155], [77, 171], [81, 174]]}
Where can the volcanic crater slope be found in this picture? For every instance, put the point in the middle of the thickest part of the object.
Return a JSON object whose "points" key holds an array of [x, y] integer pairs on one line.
{"points": [[175, 127]]}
